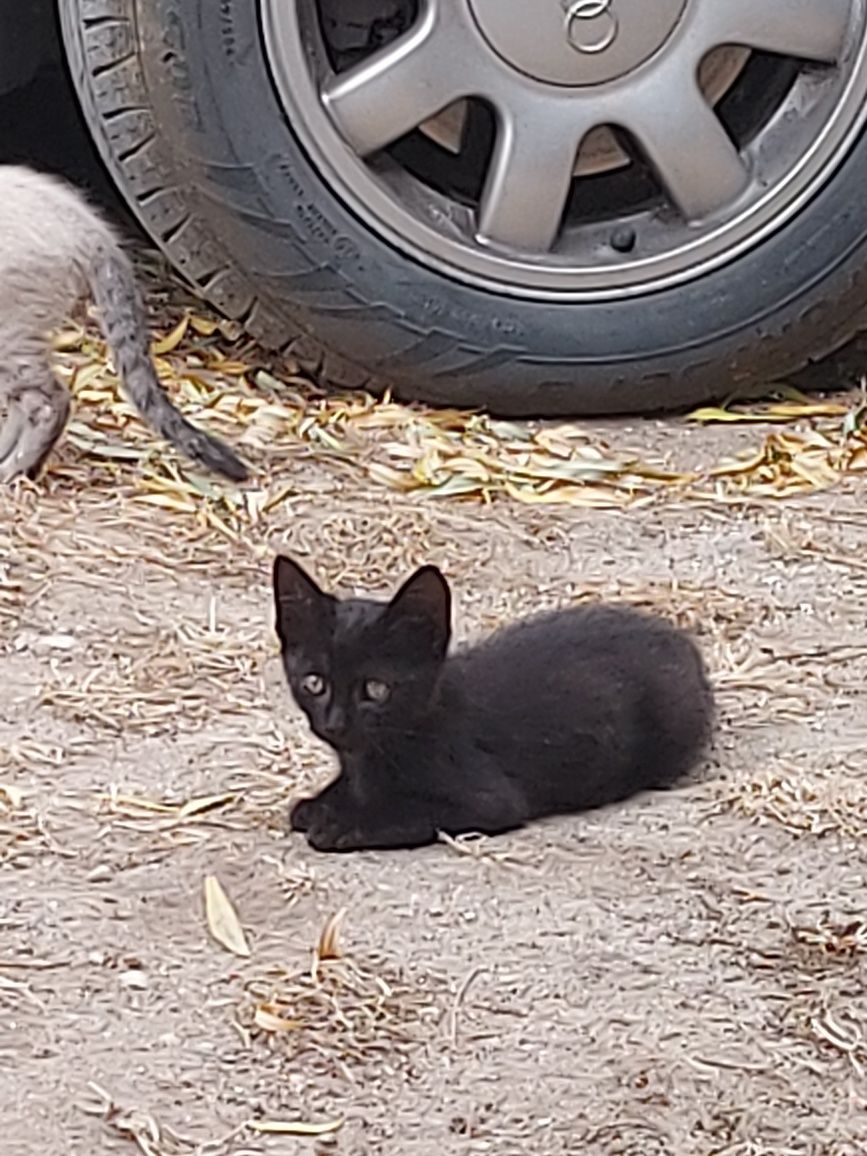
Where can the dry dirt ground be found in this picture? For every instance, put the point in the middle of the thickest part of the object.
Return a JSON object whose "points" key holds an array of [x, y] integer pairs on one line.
{"points": [[682, 975]]}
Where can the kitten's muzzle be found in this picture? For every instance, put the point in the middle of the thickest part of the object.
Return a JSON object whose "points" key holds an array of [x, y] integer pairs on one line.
{"points": [[334, 727]]}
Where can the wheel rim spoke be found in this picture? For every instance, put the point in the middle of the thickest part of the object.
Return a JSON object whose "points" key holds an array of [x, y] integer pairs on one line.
{"points": [[395, 90], [809, 29], [693, 156], [529, 179]]}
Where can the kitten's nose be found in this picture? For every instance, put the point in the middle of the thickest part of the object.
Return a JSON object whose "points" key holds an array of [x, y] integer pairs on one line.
{"points": [[334, 725]]}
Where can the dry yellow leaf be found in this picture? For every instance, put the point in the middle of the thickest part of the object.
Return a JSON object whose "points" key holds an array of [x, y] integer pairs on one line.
{"points": [[85, 377], [205, 803], [172, 340], [231, 368], [296, 1127], [329, 946], [818, 474], [786, 411], [223, 919], [68, 339], [167, 502], [204, 326], [743, 464], [711, 414], [780, 412], [268, 1019], [136, 802]]}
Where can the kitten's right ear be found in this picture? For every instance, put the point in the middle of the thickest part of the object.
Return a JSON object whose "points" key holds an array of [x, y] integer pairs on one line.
{"points": [[425, 599], [301, 606]]}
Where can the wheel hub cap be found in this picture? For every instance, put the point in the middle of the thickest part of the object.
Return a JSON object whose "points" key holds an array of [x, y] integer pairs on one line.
{"points": [[574, 43]]}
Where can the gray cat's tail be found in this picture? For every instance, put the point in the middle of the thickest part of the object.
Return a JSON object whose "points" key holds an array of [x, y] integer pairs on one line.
{"points": [[113, 284]]}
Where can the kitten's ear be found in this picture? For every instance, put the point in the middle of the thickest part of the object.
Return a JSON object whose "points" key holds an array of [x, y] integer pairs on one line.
{"points": [[425, 598], [302, 608]]}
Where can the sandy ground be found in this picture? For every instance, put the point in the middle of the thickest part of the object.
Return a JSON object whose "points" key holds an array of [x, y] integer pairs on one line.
{"points": [[682, 975]]}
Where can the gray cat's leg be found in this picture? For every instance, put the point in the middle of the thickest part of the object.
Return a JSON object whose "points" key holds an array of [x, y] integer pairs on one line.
{"points": [[37, 409], [11, 425]]}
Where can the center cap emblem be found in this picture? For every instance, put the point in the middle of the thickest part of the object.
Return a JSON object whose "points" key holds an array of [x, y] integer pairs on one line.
{"points": [[591, 26]]}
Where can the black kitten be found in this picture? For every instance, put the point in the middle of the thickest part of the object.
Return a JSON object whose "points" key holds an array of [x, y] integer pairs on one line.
{"points": [[563, 712]]}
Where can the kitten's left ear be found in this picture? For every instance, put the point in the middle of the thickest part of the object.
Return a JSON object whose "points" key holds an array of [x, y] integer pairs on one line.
{"points": [[425, 598]]}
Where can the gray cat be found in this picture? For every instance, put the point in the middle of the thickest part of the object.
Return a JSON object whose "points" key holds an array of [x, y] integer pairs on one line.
{"points": [[55, 250]]}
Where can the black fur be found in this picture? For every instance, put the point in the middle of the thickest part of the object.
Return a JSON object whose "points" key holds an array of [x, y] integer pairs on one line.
{"points": [[558, 713]]}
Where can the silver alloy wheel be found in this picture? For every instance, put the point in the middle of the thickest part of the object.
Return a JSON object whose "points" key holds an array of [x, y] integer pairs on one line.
{"points": [[588, 63]]}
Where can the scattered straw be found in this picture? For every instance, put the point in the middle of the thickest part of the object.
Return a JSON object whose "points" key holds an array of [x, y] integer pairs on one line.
{"points": [[473, 845], [23, 832], [149, 1134], [834, 939], [142, 814], [343, 1013], [842, 1035], [815, 801]]}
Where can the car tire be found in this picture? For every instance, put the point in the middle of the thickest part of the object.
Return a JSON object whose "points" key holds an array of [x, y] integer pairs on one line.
{"points": [[181, 103]]}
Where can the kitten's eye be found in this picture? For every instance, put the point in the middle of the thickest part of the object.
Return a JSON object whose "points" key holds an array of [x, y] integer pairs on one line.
{"points": [[313, 684], [376, 690]]}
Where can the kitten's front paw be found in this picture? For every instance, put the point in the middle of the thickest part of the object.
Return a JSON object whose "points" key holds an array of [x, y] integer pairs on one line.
{"points": [[329, 835], [303, 814]]}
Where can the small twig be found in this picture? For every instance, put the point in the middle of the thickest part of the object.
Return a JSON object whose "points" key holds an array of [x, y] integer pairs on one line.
{"points": [[459, 999]]}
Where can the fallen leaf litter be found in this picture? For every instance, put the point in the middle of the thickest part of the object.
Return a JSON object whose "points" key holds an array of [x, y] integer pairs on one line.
{"points": [[227, 384]]}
